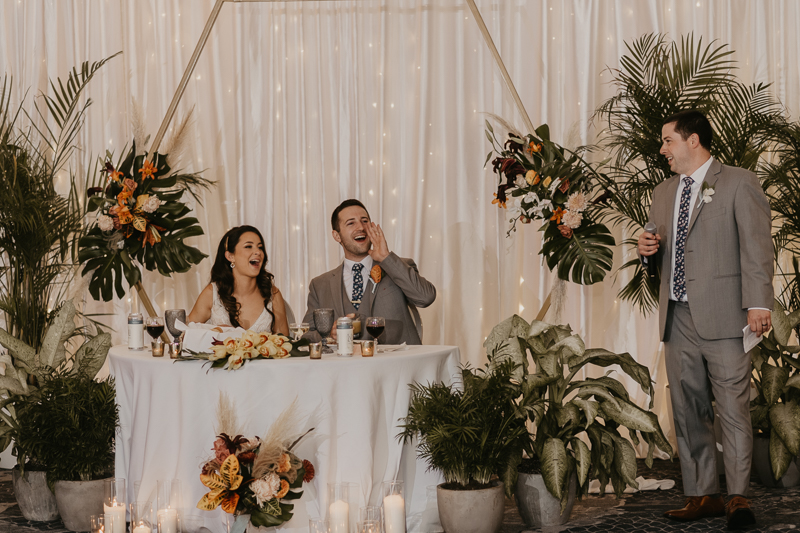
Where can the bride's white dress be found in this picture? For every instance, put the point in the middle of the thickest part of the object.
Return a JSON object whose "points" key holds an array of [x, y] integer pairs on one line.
{"points": [[220, 317]]}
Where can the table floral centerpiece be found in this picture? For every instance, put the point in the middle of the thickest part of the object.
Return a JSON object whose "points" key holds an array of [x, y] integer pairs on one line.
{"points": [[233, 352], [549, 183], [256, 478]]}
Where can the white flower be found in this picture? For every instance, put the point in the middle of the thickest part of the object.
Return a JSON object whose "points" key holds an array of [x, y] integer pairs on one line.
{"points": [[520, 181], [572, 219], [151, 204], [553, 185], [105, 223], [539, 209], [531, 198], [267, 488], [707, 194], [576, 202]]}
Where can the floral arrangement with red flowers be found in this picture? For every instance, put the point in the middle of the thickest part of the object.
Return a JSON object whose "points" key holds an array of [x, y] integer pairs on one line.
{"points": [[140, 218], [255, 479], [544, 181]]}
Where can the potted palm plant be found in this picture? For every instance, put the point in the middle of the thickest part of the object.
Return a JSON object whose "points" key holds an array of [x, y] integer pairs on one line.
{"points": [[471, 432], [566, 411], [22, 418], [774, 412]]}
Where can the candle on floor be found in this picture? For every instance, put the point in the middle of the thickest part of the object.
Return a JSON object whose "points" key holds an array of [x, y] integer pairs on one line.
{"points": [[339, 517], [394, 514], [141, 528], [115, 515], [167, 521]]}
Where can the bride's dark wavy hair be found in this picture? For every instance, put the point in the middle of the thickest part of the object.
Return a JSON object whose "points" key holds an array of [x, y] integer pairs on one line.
{"points": [[221, 275]]}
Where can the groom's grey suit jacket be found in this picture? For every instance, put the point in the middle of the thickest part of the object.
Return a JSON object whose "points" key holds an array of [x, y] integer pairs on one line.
{"points": [[728, 259], [395, 298]]}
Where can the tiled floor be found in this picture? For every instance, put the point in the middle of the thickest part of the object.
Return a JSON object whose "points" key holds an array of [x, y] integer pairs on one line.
{"points": [[777, 510]]}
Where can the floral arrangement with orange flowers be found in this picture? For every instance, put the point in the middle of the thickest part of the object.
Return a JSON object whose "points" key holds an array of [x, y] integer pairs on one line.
{"points": [[142, 219], [232, 353], [544, 181], [255, 478]]}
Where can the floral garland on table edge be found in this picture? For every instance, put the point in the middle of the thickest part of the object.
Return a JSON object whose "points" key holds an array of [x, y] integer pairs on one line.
{"points": [[255, 477], [140, 217], [551, 184], [232, 353]]}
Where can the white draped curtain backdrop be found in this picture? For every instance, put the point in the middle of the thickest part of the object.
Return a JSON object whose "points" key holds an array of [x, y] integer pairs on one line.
{"points": [[300, 105]]}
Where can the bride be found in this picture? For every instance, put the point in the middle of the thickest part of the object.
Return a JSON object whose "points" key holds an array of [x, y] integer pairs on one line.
{"points": [[241, 292]]}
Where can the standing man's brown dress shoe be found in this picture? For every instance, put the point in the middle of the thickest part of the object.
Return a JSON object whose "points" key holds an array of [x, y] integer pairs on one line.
{"points": [[698, 507], [739, 513]]}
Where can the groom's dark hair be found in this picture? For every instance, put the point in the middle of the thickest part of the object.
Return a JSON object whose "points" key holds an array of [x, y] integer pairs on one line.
{"points": [[692, 121], [344, 205]]}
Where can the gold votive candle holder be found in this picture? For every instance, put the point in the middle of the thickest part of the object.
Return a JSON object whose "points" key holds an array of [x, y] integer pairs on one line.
{"points": [[157, 347], [315, 350], [367, 348]]}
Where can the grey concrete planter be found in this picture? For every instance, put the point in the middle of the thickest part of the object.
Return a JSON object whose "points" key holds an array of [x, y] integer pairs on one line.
{"points": [[77, 501], [36, 501], [471, 511], [763, 468], [537, 506]]}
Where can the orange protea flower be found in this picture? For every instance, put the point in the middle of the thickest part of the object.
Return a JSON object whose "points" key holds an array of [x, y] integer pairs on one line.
{"points": [[558, 214], [498, 201], [284, 489], [309, 471], [148, 170], [222, 487], [375, 273]]}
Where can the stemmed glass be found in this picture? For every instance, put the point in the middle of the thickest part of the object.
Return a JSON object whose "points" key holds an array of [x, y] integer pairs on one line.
{"points": [[375, 327], [299, 329], [323, 321], [154, 326], [170, 317]]}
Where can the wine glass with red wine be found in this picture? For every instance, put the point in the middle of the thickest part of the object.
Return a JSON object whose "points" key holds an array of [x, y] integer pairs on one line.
{"points": [[154, 326], [375, 327]]}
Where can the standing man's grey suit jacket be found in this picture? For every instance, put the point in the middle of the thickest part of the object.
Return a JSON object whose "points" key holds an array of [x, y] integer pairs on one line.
{"points": [[396, 297], [728, 256]]}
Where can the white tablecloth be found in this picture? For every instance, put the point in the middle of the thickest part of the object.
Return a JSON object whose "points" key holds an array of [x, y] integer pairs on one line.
{"points": [[168, 414]]}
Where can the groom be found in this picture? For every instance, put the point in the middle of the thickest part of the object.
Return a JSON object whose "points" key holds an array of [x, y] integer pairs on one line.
{"points": [[372, 281], [713, 244]]}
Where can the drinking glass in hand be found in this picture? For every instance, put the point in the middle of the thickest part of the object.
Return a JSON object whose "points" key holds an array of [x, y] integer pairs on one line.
{"points": [[323, 321], [170, 317], [154, 326], [299, 329], [375, 327]]}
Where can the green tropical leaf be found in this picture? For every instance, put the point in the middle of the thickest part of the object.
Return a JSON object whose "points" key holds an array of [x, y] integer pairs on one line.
{"points": [[773, 379], [785, 420], [554, 466], [587, 254], [779, 457]]}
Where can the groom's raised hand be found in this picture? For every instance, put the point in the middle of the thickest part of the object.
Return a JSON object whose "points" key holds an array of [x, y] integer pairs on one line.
{"points": [[379, 250]]}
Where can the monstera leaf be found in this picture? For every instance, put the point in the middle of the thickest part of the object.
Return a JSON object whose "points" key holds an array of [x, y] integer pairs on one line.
{"points": [[587, 255]]}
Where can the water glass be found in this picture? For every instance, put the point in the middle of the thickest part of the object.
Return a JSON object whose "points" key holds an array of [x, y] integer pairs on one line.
{"points": [[170, 316]]}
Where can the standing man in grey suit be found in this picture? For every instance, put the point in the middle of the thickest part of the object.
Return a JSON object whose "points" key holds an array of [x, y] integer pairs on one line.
{"points": [[713, 244], [372, 281]]}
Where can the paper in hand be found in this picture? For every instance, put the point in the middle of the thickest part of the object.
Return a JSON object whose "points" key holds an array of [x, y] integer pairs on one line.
{"points": [[750, 339]]}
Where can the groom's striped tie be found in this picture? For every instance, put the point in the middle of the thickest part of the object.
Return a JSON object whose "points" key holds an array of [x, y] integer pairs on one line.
{"points": [[679, 276]]}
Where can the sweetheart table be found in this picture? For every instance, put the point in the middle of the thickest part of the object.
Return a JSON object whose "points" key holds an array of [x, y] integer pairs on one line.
{"points": [[168, 413]]}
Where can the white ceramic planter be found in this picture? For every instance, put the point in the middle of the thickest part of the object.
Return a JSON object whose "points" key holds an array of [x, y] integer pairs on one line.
{"points": [[77, 501], [471, 511], [36, 501], [537, 506]]}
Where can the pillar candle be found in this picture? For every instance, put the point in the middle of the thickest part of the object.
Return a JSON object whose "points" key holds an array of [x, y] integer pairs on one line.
{"points": [[115, 514], [168, 521], [339, 517], [141, 528], [394, 513]]}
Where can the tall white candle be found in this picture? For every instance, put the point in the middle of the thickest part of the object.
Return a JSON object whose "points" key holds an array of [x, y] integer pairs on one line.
{"points": [[115, 514], [339, 517], [168, 521], [394, 513]]}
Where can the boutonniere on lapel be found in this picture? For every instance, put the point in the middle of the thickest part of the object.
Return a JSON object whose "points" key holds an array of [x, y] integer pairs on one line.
{"points": [[705, 194], [375, 276]]}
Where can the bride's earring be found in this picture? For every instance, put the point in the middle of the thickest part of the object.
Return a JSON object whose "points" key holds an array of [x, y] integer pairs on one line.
{"points": [[233, 264]]}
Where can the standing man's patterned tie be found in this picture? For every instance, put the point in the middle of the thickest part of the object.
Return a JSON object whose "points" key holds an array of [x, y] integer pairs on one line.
{"points": [[679, 276], [358, 285]]}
